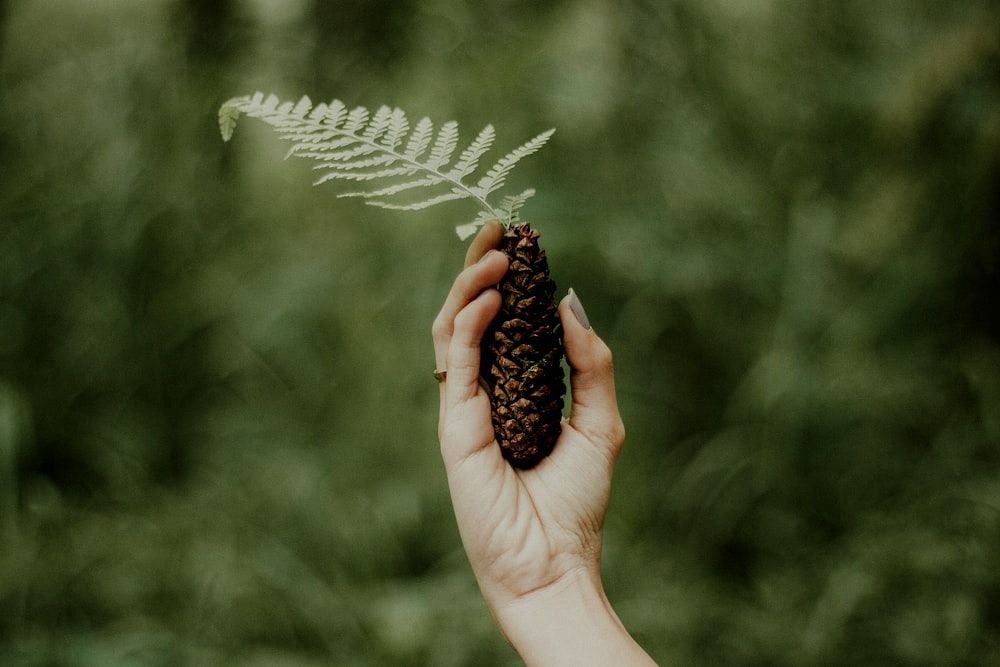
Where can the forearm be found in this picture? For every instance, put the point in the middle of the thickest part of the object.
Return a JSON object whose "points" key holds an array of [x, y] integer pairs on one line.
{"points": [[569, 623]]}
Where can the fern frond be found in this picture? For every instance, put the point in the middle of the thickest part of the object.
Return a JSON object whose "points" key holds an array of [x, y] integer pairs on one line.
{"points": [[303, 107], [332, 115], [346, 175], [498, 173], [420, 139], [469, 159], [357, 145], [228, 115], [512, 203], [396, 188], [399, 127], [427, 203], [444, 145], [469, 228], [356, 120]]}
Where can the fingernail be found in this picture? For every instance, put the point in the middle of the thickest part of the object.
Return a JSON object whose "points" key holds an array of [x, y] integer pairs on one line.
{"points": [[577, 308]]}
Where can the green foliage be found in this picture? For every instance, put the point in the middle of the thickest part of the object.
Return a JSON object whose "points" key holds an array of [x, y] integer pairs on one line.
{"points": [[356, 145], [217, 420]]}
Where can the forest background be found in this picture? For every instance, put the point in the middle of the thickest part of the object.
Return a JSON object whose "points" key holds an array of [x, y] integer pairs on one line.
{"points": [[217, 417]]}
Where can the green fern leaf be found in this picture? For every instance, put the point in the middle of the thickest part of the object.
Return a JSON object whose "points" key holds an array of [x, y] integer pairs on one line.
{"points": [[420, 140], [356, 145], [356, 120], [469, 159], [444, 145], [512, 203], [228, 115], [396, 188], [498, 173]]}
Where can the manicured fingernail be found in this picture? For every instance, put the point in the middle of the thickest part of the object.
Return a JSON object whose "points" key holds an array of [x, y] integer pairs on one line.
{"points": [[577, 308]]}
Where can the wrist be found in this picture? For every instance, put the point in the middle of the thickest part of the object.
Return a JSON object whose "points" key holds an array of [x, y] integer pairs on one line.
{"points": [[570, 622]]}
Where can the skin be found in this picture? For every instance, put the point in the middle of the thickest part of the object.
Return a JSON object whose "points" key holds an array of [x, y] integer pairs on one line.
{"points": [[533, 537]]}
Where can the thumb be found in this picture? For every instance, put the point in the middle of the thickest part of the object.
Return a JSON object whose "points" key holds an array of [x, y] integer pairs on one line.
{"points": [[594, 408]]}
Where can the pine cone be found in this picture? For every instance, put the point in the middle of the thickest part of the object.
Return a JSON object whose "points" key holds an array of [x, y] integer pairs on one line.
{"points": [[522, 354]]}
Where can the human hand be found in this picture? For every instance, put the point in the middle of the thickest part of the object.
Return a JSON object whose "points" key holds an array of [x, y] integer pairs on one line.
{"points": [[533, 537]]}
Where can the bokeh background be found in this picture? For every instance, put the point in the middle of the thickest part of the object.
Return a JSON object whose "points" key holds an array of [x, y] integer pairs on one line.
{"points": [[217, 421]]}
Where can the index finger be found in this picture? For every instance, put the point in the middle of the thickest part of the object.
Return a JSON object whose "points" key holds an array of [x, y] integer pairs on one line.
{"points": [[467, 286], [487, 239]]}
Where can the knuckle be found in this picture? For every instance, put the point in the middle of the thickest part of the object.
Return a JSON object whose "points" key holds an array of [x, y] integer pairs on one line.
{"points": [[441, 327], [617, 432], [602, 358]]}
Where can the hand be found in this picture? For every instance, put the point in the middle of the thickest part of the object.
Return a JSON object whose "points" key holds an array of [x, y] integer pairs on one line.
{"points": [[533, 537]]}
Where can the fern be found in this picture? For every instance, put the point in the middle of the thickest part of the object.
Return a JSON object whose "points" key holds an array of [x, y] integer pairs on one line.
{"points": [[381, 149]]}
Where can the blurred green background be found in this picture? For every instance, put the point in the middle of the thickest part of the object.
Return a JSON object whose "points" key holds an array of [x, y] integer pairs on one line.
{"points": [[217, 421]]}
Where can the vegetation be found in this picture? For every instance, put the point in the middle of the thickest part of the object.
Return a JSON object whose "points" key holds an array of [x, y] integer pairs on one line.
{"points": [[358, 146], [217, 421], [522, 352]]}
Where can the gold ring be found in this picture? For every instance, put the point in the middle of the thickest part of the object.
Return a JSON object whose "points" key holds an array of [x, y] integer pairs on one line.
{"points": [[440, 376]]}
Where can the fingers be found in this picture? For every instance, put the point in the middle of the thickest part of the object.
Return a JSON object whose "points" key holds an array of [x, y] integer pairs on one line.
{"points": [[487, 239], [482, 269], [467, 311], [594, 408], [464, 426], [485, 273], [462, 357]]}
